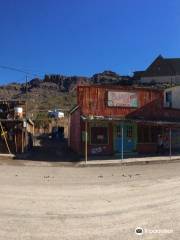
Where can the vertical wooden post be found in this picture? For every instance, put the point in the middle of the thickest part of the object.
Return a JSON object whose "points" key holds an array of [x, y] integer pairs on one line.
{"points": [[33, 135], [15, 140], [22, 140], [150, 134], [3, 133], [170, 143], [122, 141], [86, 142]]}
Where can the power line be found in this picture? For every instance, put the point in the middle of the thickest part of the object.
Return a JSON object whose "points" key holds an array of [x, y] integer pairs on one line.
{"points": [[20, 70]]}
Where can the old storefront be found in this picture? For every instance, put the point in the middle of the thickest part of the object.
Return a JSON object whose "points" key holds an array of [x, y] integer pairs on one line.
{"points": [[112, 120]]}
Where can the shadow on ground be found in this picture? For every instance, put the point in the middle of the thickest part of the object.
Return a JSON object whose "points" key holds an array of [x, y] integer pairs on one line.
{"points": [[56, 150], [51, 150]]}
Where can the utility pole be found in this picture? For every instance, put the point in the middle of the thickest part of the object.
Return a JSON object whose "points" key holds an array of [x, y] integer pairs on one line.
{"points": [[26, 115], [26, 95]]}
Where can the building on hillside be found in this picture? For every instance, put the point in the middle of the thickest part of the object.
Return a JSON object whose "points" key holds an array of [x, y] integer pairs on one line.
{"points": [[172, 97], [56, 113], [161, 70], [115, 120], [16, 131]]}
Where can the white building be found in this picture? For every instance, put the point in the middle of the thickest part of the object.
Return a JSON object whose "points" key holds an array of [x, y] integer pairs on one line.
{"points": [[172, 97]]}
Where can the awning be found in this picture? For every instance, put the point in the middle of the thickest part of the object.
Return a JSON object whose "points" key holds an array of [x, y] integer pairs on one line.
{"points": [[138, 121]]}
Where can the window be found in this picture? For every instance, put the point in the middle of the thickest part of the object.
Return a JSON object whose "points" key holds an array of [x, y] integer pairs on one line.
{"points": [[118, 131], [99, 135], [168, 99], [148, 134], [129, 132]]}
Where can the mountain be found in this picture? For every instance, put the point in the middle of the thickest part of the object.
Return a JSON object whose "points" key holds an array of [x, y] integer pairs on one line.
{"points": [[109, 77], [55, 91]]}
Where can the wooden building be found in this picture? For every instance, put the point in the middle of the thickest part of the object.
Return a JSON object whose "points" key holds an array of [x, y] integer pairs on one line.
{"points": [[16, 131], [116, 120]]}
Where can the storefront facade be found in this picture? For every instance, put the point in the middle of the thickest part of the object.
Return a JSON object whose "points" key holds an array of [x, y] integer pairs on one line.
{"points": [[107, 137], [114, 120]]}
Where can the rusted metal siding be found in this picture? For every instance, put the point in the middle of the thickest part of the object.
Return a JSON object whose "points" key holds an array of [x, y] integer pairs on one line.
{"points": [[155, 111], [93, 100], [75, 131]]}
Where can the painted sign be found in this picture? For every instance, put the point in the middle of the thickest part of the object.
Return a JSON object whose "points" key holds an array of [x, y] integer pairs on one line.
{"points": [[122, 99], [98, 150]]}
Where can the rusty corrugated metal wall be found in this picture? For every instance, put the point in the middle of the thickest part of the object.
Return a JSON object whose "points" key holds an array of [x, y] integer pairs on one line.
{"points": [[93, 100], [75, 131]]}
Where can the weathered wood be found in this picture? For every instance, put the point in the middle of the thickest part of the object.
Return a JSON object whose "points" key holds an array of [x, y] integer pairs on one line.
{"points": [[7, 145]]}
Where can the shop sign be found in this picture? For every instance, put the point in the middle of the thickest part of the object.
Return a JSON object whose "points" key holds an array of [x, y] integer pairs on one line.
{"points": [[122, 99]]}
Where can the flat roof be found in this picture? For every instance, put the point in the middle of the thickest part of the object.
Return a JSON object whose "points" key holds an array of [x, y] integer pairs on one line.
{"points": [[151, 122]]}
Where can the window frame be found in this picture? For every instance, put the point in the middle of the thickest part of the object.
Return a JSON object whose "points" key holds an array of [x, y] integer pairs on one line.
{"points": [[107, 128]]}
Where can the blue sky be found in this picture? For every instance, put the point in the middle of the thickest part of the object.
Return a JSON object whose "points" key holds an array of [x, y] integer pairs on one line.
{"points": [[83, 37]]}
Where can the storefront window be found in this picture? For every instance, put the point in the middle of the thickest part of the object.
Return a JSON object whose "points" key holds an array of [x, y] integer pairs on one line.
{"points": [[129, 132], [118, 131], [148, 134], [99, 135]]}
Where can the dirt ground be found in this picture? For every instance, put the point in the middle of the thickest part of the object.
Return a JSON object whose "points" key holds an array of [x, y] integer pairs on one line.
{"points": [[44, 201]]}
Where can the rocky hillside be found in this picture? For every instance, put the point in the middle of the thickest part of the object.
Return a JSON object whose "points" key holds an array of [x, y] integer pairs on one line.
{"points": [[55, 91]]}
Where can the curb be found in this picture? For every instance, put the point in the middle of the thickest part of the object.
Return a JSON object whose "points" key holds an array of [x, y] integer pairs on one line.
{"points": [[114, 164], [84, 165], [21, 156]]}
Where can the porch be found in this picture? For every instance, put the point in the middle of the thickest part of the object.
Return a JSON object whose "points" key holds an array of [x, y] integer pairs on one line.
{"points": [[121, 138]]}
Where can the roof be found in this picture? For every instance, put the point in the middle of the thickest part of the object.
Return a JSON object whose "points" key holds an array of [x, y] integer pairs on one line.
{"points": [[160, 67], [123, 119], [74, 109]]}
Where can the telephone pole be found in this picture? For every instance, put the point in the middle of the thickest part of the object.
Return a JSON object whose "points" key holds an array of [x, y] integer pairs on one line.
{"points": [[26, 114]]}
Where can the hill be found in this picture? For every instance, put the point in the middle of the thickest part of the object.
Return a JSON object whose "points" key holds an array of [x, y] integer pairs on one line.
{"points": [[55, 91]]}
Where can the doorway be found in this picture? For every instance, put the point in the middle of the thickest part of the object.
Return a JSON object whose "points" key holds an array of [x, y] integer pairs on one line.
{"points": [[129, 137]]}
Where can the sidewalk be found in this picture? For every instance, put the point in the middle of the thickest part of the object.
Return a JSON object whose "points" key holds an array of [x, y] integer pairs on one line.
{"points": [[129, 161], [93, 162]]}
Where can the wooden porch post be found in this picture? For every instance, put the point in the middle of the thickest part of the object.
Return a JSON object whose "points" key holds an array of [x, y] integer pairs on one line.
{"points": [[170, 143], [22, 141], [3, 133], [33, 134], [86, 142], [122, 141]]}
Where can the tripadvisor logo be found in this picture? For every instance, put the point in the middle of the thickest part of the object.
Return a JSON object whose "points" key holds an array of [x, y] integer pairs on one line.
{"points": [[139, 231]]}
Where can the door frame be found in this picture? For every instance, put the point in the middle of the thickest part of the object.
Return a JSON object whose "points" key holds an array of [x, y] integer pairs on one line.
{"points": [[123, 131]]}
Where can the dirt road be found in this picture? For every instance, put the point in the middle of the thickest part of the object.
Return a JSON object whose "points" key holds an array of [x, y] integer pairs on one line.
{"points": [[46, 202]]}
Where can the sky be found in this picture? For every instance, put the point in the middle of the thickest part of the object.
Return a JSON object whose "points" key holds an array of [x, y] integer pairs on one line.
{"points": [[84, 37]]}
